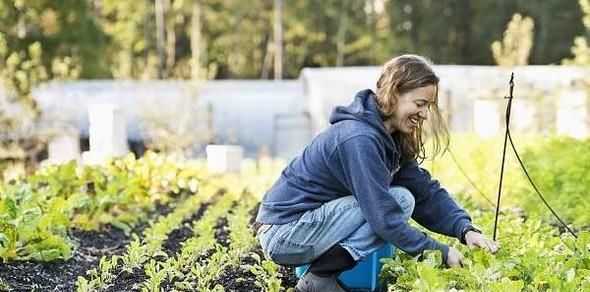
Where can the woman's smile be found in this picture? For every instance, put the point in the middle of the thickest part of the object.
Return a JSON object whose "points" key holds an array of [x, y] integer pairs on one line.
{"points": [[412, 109]]}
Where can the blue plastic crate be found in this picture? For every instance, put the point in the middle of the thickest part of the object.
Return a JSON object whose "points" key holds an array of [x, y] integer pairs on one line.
{"points": [[365, 275]]}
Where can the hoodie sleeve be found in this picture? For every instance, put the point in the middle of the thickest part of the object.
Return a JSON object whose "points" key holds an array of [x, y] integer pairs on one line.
{"points": [[434, 209], [365, 174]]}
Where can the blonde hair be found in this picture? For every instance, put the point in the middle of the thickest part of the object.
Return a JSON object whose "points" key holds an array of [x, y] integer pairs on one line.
{"points": [[400, 75]]}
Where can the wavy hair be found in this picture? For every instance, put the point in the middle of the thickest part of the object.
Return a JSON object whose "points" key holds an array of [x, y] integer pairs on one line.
{"points": [[398, 76]]}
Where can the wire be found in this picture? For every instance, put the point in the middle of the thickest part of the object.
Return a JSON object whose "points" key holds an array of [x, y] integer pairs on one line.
{"points": [[464, 173], [536, 189], [508, 137]]}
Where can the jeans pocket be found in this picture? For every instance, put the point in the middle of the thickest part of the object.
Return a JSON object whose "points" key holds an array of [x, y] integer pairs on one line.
{"points": [[289, 253], [266, 238], [263, 229]]}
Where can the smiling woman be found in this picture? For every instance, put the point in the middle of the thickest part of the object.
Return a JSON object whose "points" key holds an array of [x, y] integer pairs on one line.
{"points": [[356, 185], [407, 95], [412, 109]]}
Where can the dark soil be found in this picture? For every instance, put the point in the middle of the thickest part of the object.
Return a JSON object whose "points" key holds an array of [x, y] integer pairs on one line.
{"points": [[222, 232], [61, 275], [125, 281], [241, 279], [238, 278], [128, 280], [172, 245], [288, 278]]}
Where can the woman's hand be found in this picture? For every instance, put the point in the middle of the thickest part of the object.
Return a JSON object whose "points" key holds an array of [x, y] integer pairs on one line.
{"points": [[454, 258], [477, 239]]}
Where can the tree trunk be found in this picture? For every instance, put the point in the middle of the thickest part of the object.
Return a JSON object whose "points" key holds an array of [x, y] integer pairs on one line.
{"points": [[170, 41], [160, 37], [196, 42], [341, 39], [267, 59], [278, 39]]}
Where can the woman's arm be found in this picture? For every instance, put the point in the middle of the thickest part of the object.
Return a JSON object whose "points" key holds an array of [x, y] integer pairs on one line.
{"points": [[434, 209], [362, 168]]}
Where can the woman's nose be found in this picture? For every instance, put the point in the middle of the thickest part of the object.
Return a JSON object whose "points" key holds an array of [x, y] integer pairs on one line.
{"points": [[424, 113]]}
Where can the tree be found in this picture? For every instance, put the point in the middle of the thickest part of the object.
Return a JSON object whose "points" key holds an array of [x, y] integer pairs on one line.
{"points": [[50, 23], [581, 50], [515, 48]]}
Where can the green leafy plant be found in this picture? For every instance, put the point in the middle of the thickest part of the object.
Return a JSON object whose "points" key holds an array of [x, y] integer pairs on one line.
{"points": [[266, 272]]}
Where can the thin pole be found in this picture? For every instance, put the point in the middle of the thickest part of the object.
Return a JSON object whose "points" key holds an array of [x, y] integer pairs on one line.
{"points": [[508, 107]]}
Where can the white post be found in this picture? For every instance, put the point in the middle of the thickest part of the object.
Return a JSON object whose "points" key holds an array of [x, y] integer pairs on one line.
{"points": [[64, 147], [486, 117], [572, 113], [224, 158], [523, 114], [108, 133]]}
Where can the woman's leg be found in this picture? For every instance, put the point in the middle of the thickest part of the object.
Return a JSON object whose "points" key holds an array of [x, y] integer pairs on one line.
{"points": [[363, 241], [302, 241], [338, 221]]}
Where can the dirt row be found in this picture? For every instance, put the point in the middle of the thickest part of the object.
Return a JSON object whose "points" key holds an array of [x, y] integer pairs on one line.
{"points": [[61, 275]]}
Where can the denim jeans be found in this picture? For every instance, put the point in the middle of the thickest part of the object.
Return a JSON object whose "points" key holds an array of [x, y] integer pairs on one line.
{"points": [[337, 221]]}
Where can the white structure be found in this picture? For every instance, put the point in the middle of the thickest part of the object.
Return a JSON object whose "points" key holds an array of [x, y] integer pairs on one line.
{"points": [[64, 147], [523, 116], [107, 132], [460, 85], [486, 117], [284, 115], [572, 113], [243, 111], [224, 158]]}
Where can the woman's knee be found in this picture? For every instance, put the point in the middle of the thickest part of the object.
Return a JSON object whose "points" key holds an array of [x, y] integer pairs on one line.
{"points": [[404, 198]]}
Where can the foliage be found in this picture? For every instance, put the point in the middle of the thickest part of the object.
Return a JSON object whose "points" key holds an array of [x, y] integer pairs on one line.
{"points": [[580, 50], [266, 272], [29, 230], [36, 213], [560, 168], [515, 48], [50, 24], [28, 59], [234, 39], [534, 255], [520, 265], [22, 70]]}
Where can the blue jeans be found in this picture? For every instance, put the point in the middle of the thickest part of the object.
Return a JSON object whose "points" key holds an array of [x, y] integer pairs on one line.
{"points": [[338, 221]]}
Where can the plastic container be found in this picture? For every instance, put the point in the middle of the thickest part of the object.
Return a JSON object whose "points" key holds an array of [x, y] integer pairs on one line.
{"points": [[365, 275]]}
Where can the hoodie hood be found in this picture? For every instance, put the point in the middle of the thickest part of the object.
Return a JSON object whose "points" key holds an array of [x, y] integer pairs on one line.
{"points": [[363, 109]]}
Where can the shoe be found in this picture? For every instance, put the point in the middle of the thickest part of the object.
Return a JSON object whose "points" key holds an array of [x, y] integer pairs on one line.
{"points": [[314, 283], [323, 273]]}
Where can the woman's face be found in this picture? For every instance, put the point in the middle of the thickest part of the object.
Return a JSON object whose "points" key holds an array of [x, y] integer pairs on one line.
{"points": [[412, 108]]}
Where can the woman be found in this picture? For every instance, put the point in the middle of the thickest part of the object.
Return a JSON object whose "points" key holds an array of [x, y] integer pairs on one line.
{"points": [[356, 184]]}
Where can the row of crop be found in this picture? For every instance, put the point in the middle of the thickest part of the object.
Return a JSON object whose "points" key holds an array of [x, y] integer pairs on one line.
{"points": [[185, 271], [202, 259], [533, 257], [240, 258], [37, 212], [140, 250]]}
